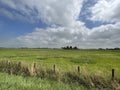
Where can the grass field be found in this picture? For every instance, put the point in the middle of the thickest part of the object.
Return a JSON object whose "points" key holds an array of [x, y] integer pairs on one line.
{"points": [[91, 62], [11, 82]]}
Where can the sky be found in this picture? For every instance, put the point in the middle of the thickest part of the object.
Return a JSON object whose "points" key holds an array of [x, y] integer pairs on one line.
{"points": [[58, 23]]}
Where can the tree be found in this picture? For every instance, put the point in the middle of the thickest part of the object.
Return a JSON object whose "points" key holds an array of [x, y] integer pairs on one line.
{"points": [[75, 47], [70, 47]]}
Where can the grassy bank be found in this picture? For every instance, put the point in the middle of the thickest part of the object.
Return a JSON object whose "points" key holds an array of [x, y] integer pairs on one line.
{"points": [[67, 77], [12, 82]]}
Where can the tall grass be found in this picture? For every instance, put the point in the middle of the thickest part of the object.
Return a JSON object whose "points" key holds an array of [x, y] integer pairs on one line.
{"points": [[68, 77], [13, 82]]}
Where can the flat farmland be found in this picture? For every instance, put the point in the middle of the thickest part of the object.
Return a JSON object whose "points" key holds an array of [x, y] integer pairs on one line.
{"points": [[65, 59], [90, 62]]}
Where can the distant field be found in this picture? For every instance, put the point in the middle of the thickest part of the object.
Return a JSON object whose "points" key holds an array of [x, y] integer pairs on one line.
{"points": [[65, 59], [91, 62]]}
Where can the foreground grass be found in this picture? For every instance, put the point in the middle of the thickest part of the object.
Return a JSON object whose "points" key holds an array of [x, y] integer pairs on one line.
{"points": [[67, 77], [11, 82]]}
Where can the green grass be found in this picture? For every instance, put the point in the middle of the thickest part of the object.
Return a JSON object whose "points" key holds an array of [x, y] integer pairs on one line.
{"points": [[65, 59], [11, 82], [91, 62]]}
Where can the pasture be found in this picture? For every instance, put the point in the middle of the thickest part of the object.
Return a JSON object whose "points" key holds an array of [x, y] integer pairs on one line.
{"points": [[91, 62]]}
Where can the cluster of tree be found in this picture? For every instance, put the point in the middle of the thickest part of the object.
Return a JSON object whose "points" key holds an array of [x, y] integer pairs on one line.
{"points": [[70, 48], [109, 49]]}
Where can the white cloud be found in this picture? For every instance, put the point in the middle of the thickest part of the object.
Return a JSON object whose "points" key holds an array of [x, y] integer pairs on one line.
{"points": [[103, 36], [13, 15], [106, 11], [53, 37], [62, 12], [106, 36], [71, 31]]}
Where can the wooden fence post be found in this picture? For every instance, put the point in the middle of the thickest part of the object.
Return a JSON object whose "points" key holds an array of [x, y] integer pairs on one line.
{"points": [[33, 70], [19, 64], [54, 68], [34, 65], [78, 69], [113, 74]]}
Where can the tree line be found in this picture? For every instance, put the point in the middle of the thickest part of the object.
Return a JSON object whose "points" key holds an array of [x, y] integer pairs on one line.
{"points": [[70, 48], [109, 48]]}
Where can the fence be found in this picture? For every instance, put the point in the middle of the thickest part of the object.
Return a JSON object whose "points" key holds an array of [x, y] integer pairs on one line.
{"points": [[19, 68]]}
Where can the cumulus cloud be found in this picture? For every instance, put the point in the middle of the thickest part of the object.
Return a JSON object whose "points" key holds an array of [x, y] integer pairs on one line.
{"points": [[110, 31], [13, 15], [62, 12], [103, 36], [54, 37], [64, 27], [106, 11]]}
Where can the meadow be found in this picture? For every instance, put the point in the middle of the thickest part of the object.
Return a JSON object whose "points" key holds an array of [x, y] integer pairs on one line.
{"points": [[95, 69]]}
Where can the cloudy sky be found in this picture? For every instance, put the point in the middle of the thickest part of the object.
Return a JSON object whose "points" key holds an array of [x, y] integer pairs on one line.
{"points": [[57, 23]]}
